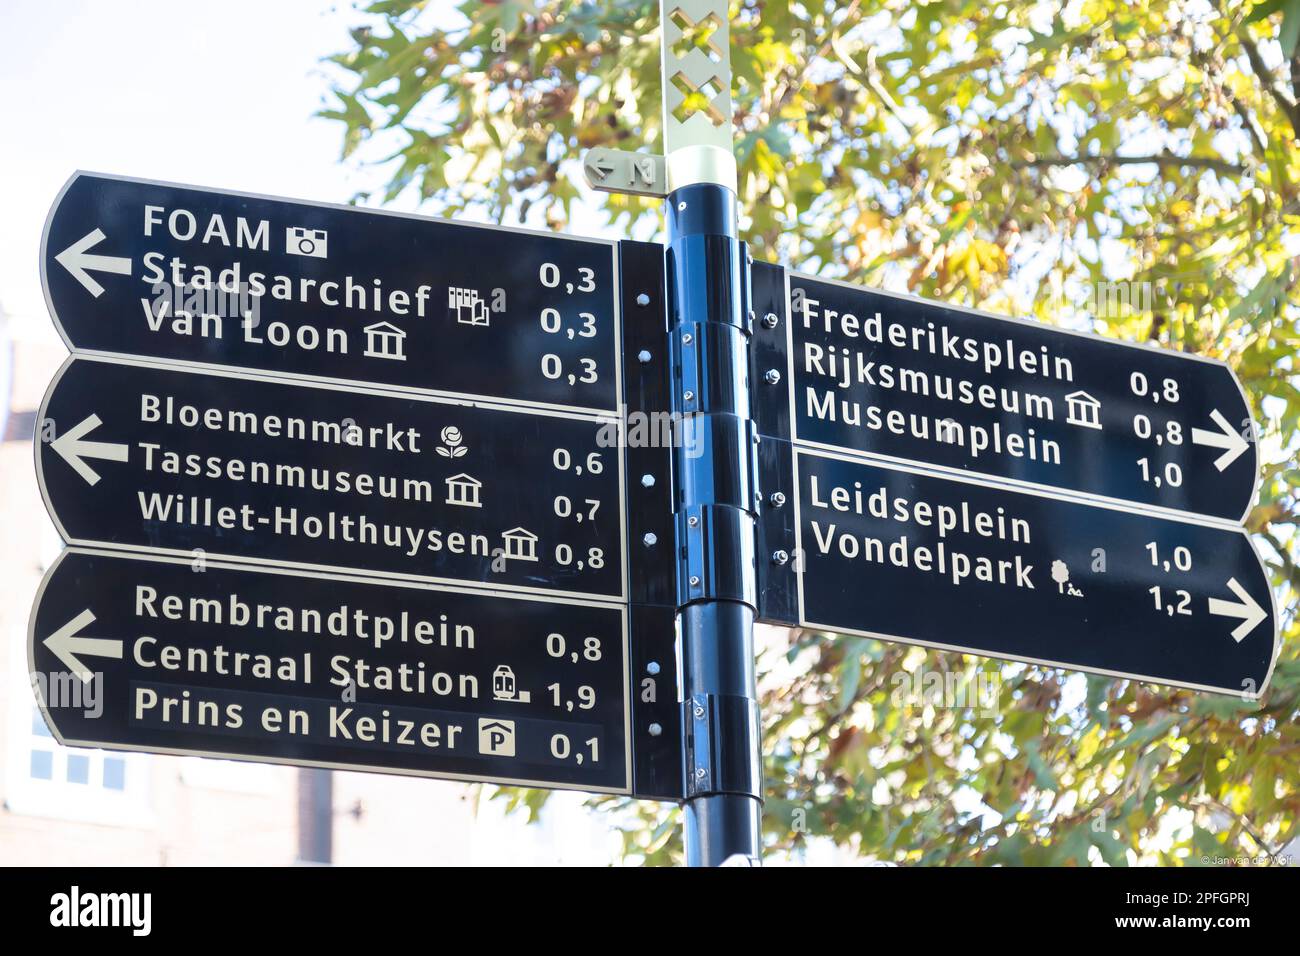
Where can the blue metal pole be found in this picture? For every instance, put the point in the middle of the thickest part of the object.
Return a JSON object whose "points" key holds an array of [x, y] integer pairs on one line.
{"points": [[714, 468]]}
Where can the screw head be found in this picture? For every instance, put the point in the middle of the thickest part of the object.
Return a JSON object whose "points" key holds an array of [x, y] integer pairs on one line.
{"points": [[687, 339], [780, 557], [700, 773], [692, 521], [770, 320], [698, 711], [771, 376], [643, 356], [643, 299], [777, 499], [695, 581], [647, 481], [681, 206], [655, 730], [688, 395], [650, 539]]}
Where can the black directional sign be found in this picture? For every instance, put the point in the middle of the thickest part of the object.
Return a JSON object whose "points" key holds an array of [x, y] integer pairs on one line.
{"points": [[194, 275], [905, 379], [319, 476], [953, 563], [163, 656]]}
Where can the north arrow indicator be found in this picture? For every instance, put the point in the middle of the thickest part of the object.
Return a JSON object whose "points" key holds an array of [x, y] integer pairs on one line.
{"points": [[621, 171]]}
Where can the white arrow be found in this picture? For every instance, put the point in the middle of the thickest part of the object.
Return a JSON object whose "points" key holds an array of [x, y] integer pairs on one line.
{"points": [[1226, 438], [1249, 611], [72, 447], [66, 645], [598, 167], [77, 260]]}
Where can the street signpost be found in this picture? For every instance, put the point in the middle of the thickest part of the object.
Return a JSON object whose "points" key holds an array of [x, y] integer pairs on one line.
{"points": [[1128, 469], [335, 672], [908, 380], [316, 476], [182, 274], [950, 562], [350, 488]]}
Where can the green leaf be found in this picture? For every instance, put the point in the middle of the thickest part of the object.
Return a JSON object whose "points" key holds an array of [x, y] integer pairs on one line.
{"points": [[1289, 35]]}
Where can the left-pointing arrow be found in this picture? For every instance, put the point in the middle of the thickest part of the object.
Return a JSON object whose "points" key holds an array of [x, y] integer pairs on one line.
{"points": [[1248, 610], [78, 260], [598, 167], [73, 448], [66, 645]]}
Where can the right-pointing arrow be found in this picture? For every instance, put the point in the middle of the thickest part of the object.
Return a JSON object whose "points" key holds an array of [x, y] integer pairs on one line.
{"points": [[1226, 438], [66, 645], [80, 262], [72, 448], [1249, 611]]}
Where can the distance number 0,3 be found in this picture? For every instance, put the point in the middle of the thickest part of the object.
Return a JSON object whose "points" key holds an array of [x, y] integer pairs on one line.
{"points": [[586, 372], [588, 649], [553, 324], [551, 278]]}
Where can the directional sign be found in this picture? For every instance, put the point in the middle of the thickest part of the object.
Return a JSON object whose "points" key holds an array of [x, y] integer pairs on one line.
{"points": [[954, 563], [319, 476], [164, 657], [620, 171], [908, 380], [133, 267]]}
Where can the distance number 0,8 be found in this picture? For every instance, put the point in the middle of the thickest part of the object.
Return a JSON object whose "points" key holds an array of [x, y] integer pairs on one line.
{"points": [[1171, 473]]}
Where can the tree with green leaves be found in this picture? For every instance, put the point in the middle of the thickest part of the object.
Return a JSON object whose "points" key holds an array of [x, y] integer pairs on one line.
{"points": [[1012, 156]]}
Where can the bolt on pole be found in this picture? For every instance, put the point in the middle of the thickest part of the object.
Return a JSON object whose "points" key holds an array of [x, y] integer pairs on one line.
{"points": [[709, 324]]}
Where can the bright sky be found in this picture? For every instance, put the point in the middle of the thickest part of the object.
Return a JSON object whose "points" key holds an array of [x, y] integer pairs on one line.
{"points": [[218, 94]]}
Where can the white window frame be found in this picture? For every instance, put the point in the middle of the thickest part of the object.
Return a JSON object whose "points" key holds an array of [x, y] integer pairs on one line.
{"points": [[58, 798]]}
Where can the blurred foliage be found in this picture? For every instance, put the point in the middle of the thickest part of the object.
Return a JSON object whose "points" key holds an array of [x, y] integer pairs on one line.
{"points": [[1006, 155]]}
